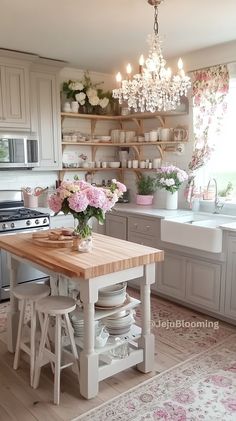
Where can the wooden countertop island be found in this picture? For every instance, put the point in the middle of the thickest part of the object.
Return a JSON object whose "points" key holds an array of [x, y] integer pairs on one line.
{"points": [[111, 261]]}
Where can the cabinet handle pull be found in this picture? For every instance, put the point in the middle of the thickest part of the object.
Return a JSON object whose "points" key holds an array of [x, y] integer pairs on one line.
{"points": [[147, 226]]}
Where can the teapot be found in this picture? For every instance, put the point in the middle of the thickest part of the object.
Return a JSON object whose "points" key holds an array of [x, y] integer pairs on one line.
{"points": [[180, 134]]}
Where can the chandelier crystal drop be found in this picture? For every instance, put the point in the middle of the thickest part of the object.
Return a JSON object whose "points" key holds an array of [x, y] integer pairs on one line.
{"points": [[154, 88]]}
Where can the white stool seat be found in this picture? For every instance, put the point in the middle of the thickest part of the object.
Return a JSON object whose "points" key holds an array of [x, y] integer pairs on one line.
{"points": [[32, 292], [54, 305]]}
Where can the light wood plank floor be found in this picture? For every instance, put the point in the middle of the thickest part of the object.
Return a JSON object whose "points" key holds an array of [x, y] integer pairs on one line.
{"points": [[19, 402]]}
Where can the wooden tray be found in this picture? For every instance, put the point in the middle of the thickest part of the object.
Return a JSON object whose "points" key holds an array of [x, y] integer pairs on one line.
{"points": [[45, 242], [42, 239]]}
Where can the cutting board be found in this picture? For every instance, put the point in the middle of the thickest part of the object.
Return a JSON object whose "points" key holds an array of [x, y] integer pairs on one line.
{"points": [[42, 239]]}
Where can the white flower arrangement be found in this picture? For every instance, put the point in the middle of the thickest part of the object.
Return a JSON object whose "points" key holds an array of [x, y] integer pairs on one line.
{"points": [[170, 178], [86, 93]]}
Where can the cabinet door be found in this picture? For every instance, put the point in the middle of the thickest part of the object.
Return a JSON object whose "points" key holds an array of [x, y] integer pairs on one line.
{"points": [[15, 95], [147, 226], [173, 276], [230, 291], [45, 117], [116, 226], [203, 284], [1, 94]]}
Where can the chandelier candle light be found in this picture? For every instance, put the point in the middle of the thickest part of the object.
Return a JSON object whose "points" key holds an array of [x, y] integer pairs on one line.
{"points": [[154, 88]]}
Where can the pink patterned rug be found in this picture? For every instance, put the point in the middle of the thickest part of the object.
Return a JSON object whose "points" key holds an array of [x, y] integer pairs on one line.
{"points": [[194, 334], [188, 331], [202, 388]]}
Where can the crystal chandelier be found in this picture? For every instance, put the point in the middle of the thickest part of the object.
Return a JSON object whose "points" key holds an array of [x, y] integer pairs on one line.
{"points": [[154, 88]]}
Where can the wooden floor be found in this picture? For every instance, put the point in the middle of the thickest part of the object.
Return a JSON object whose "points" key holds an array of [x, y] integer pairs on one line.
{"points": [[19, 402]]}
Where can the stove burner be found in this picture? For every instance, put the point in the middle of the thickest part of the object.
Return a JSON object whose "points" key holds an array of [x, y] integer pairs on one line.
{"points": [[19, 214]]}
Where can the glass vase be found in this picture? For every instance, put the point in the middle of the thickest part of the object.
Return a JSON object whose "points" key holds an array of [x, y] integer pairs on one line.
{"points": [[83, 234]]}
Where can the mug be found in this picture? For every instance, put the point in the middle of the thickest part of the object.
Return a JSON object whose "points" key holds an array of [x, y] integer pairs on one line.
{"points": [[166, 134], [153, 135], [180, 134], [104, 164], [98, 164]]}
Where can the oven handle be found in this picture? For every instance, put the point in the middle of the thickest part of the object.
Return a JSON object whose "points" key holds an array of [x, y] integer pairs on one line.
{"points": [[25, 231]]}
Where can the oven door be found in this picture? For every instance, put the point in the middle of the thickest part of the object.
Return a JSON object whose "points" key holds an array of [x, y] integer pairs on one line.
{"points": [[25, 272]]}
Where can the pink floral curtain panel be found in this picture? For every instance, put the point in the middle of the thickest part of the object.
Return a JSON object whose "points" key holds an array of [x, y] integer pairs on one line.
{"points": [[210, 89]]}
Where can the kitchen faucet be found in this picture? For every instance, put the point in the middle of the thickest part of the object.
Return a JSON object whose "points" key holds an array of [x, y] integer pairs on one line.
{"points": [[218, 205]]}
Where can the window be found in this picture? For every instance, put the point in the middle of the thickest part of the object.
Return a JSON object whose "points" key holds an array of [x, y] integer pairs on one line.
{"points": [[222, 165]]}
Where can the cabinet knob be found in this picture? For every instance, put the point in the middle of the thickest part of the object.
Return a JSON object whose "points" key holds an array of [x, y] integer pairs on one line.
{"points": [[147, 226], [136, 225]]}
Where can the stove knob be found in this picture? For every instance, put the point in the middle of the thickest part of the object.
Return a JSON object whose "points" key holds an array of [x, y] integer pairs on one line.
{"points": [[45, 221], [36, 221], [12, 225], [4, 226], [28, 222]]}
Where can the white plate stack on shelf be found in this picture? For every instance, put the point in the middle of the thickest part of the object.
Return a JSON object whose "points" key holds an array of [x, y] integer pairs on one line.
{"points": [[77, 321], [119, 323]]}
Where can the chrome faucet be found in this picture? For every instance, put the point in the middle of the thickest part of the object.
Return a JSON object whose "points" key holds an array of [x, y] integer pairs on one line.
{"points": [[218, 204]]}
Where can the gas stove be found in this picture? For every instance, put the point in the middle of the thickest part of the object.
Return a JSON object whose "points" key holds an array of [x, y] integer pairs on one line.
{"points": [[14, 216], [22, 218]]}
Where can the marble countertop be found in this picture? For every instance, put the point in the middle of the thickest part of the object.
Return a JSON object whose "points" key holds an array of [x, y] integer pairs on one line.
{"points": [[132, 208]]}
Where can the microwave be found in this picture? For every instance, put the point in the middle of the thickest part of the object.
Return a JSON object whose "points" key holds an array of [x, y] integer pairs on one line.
{"points": [[19, 151]]}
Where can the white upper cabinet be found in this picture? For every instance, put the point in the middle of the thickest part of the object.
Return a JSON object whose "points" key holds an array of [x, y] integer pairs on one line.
{"points": [[45, 117], [14, 96]]}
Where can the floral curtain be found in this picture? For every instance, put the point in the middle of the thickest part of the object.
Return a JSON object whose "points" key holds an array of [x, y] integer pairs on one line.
{"points": [[210, 89]]}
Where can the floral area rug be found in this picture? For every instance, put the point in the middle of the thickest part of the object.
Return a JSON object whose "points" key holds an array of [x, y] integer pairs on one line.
{"points": [[3, 316], [202, 388], [187, 331]]}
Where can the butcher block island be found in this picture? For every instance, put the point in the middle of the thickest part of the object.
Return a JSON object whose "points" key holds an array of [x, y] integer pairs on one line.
{"points": [[110, 262]]}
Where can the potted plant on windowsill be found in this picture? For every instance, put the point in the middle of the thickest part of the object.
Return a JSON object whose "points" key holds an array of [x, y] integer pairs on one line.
{"points": [[146, 187]]}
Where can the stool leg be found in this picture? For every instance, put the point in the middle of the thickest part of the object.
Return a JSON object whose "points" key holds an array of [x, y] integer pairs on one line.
{"points": [[39, 358], [40, 316], [57, 374], [19, 334], [32, 342], [72, 341]]}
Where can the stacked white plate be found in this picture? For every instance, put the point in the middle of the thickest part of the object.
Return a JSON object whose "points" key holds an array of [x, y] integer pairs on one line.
{"points": [[112, 296], [119, 324], [77, 322]]}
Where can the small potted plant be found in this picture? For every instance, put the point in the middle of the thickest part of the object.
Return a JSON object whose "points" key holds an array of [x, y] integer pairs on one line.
{"points": [[146, 187]]}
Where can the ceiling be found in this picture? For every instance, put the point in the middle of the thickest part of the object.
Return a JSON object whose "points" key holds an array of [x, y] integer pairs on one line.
{"points": [[103, 35]]}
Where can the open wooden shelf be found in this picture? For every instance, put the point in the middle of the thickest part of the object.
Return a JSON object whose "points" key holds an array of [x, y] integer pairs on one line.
{"points": [[129, 117], [124, 145]]}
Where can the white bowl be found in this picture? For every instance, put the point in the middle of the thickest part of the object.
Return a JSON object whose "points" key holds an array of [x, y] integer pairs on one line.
{"points": [[113, 289], [115, 164], [111, 301], [104, 138]]}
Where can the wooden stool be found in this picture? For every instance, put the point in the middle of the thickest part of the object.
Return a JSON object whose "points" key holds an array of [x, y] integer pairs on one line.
{"points": [[31, 293], [58, 307]]}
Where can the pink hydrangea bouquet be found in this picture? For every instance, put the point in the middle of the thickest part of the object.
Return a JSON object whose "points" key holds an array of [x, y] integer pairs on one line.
{"points": [[85, 201], [170, 178]]}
